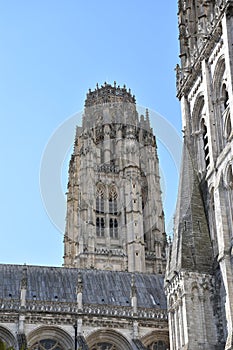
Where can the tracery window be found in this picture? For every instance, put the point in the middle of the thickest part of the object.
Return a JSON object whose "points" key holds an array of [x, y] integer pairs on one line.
{"points": [[100, 199], [100, 226], [113, 221], [221, 105], [47, 344], [104, 346], [158, 345], [100, 219], [226, 118], [113, 226], [113, 201]]}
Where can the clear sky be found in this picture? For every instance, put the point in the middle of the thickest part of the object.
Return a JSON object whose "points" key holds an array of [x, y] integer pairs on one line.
{"points": [[52, 52]]}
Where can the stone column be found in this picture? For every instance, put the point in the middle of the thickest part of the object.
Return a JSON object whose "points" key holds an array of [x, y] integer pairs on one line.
{"points": [[133, 295], [23, 292], [224, 257]]}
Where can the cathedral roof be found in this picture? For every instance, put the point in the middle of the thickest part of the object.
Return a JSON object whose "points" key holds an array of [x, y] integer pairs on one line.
{"points": [[191, 249], [99, 287]]}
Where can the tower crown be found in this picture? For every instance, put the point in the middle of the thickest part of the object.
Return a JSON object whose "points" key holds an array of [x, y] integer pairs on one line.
{"points": [[108, 94]]}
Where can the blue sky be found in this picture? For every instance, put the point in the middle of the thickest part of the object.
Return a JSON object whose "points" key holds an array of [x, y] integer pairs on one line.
{"points": [[52, 52]]}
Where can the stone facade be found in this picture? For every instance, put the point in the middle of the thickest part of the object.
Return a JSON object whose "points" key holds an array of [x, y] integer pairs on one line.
{"points": [[114, 217], [109, 295], [199, 283], [47, 306]]}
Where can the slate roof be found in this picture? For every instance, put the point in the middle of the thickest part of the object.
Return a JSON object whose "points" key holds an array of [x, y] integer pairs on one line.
{"points": [[99, 287]]}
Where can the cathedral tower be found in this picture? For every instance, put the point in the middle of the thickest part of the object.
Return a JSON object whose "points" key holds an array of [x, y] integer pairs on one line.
{"points": [[199, 278], [114, 211]]}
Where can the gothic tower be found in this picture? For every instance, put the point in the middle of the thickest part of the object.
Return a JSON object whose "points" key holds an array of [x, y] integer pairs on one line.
{"points": [[199, 276], [114, 211]]}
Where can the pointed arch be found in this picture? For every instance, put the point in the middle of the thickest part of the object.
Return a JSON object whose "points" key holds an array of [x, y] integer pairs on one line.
{"points": [[7, 337], [100, 197], [112, 199], [50, 335], [221, 107], [156, 340], [112, 339], [200, 131]]}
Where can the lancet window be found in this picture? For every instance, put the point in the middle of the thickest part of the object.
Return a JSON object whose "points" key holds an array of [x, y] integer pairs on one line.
{"points": [[100, 226], [113, 220], [201, 135], [100, 212], [100, 194], [113, 225], [113, 201], [221, 105], [226, 118]]}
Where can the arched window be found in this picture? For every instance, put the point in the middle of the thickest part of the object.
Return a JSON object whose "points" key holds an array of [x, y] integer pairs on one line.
{"points": [[100, 199], [158, 345], [7, 340], [113, 201], [113, 223], [201, 135], [225, 97], [221, 106], [113, 226], [230, 177], [47, 344], [100, 226], [226, 118]]}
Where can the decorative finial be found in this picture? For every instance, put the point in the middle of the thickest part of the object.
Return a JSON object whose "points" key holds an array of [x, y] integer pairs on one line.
{"points": [[79, 287], [105, 83], [147, 113], [132, 281], [124, 86], [114, 83], [89, 90], [24, 277], [97, 86]]}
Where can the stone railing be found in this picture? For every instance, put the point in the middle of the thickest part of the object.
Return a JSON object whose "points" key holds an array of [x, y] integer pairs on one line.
{"points": [[9, 304], [88, 309]]}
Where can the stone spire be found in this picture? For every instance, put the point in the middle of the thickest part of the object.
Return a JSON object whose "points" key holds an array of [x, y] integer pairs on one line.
{"points": [[191, 248], [188, 281]]}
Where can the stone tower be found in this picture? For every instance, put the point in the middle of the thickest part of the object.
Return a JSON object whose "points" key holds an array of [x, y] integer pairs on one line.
{"points": [[199, 277], [115, 218]]}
